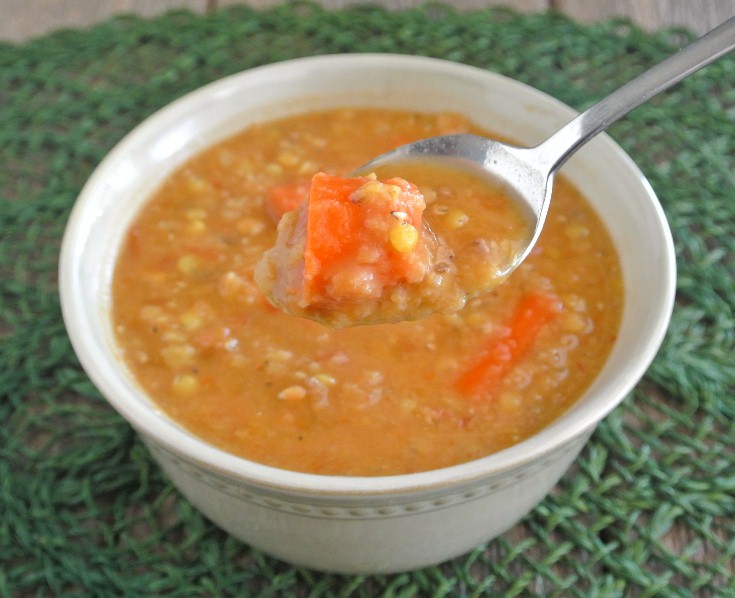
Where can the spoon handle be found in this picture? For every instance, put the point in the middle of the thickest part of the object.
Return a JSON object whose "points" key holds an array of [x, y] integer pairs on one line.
{"points": [[553, 152]]}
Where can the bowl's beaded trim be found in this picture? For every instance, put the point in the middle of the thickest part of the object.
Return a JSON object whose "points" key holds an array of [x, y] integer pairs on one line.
{"points": [[355, 506]]}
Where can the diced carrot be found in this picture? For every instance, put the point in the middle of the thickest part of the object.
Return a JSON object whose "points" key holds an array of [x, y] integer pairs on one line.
{"points": [[284, 198], [340, 225], [333, 220], [529, 318]]}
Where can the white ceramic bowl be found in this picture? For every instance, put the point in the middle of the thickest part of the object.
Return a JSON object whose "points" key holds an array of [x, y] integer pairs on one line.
{"points": [[362, 524]]}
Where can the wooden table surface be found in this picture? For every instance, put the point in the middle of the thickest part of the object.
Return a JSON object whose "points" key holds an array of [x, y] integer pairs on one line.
{"points": [[24, 19]]}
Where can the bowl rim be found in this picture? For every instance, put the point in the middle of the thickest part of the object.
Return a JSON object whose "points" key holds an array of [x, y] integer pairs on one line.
{"points": [[118, 391]]}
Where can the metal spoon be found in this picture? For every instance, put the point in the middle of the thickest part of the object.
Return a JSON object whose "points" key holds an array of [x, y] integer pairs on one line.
{"points": [[529, 172]]}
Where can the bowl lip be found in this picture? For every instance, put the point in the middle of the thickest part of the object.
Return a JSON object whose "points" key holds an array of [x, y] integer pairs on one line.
{"points": [[108, 375]]}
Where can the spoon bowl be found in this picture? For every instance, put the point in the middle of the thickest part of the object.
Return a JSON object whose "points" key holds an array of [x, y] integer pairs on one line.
{"points": [[513, 168]]}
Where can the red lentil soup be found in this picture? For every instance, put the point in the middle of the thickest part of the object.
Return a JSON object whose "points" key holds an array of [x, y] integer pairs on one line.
{"points": [[202, 340]]}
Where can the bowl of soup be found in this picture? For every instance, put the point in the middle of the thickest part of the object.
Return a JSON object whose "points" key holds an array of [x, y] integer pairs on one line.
{"points": [[358, 449]]}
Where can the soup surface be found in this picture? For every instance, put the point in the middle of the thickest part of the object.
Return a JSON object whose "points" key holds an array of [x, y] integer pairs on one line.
{"points": [[217, 357]]}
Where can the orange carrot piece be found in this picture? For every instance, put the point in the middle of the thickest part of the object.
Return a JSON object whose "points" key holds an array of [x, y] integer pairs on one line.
{"points": [[337, 228], [533, 312], [333, 220], [284, 198]]}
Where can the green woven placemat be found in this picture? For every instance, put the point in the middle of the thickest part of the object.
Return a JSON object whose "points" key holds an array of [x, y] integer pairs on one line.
{"points": [[649, 509]]}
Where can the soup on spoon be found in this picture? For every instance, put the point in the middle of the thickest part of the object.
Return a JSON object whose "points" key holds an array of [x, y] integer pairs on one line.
{"points": [[367, 249]]}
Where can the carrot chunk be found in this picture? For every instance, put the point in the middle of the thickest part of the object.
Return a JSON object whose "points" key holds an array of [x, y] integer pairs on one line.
{"points": [[533, 312], [284, 198], [361, 236]]}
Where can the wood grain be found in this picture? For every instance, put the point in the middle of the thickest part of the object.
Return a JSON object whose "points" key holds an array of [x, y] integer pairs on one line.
{"points": [[520, 5], [24, 19], [699, 17]]}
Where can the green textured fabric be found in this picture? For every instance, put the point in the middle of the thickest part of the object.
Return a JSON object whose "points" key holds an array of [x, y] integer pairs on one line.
{"points": [[649, 508]]}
